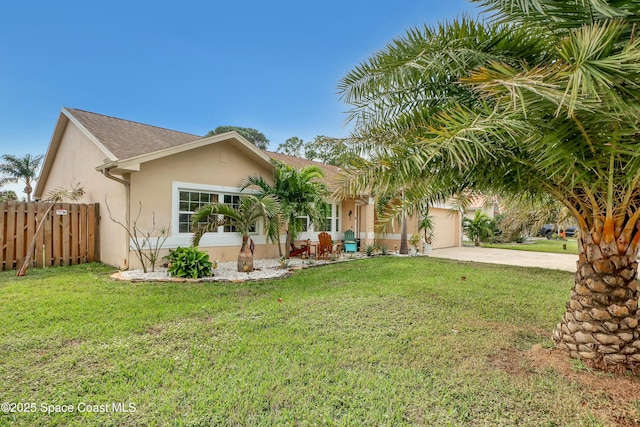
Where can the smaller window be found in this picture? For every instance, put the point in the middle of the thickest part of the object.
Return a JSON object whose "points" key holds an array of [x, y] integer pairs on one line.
{"points": [[304, 224]]}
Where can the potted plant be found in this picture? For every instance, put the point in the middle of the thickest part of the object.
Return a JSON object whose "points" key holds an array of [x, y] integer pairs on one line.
{"points": [[415, 242]]}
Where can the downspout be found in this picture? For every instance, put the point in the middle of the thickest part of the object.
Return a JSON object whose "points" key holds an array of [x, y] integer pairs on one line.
{"points": [[127, 186]]}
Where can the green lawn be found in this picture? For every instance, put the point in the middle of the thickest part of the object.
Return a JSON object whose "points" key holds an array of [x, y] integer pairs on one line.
{"points": [[540, 245], [384, 341]]}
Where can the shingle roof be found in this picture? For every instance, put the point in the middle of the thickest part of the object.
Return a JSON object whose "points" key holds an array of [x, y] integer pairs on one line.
{"points": [[330, 171], [126, 139]]}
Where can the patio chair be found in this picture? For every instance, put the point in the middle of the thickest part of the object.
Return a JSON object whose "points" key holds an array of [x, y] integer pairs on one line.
{"points": [[349, 242], [325, 244], [303, 249]]}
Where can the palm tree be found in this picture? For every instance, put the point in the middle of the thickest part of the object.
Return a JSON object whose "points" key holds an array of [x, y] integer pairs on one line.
{"points": [[426, 224], [300, 193], [478, 228], [23, 169], [250, 210], [540, 98]]}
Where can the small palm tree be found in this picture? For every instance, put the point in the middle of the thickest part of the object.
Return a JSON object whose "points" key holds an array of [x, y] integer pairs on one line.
{"points": [[478, 228], [249, 211], [427, 226], [23, 169], [300, 193]]}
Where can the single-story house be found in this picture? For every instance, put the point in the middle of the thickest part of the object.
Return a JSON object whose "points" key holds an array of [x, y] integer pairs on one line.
{"points": [[146, 173]]}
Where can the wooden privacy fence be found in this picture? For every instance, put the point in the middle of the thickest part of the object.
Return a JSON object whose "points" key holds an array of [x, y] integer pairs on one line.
{"points": [[68, 236]]}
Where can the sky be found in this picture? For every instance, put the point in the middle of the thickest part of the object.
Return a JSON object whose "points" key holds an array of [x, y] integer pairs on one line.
{"points": [[193, 65]]}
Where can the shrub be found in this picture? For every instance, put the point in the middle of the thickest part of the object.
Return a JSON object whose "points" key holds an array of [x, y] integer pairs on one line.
{"points": [[189, 262], [370, 249]]}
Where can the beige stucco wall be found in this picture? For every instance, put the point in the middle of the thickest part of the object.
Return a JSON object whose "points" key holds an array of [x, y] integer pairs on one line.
{"points": [[75, 162], [221, 165], [348, 222]]}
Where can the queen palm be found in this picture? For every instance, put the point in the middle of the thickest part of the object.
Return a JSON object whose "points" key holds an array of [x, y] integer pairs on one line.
{"points": [[243, 218], [25, 169], [300, 193], [539, 99]]}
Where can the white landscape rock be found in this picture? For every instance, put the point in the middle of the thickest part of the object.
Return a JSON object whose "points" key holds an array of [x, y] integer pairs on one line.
{"points": [[228, 271]]}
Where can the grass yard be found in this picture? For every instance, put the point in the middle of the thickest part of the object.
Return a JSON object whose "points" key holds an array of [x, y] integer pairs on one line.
{"points": [[385, 341], [540, 245]]}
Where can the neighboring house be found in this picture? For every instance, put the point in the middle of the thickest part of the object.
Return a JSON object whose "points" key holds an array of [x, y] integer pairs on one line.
{"points": [[170, 174], [488, 206], [480, 203]]}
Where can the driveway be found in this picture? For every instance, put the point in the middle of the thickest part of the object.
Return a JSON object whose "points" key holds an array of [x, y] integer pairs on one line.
{"points": [[551, 261]]}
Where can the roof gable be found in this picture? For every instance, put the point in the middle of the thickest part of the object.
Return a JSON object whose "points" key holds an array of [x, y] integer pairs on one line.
{"points": [[126, 139], [126, 144]]}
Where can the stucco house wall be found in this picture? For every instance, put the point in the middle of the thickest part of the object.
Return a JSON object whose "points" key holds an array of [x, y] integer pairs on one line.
{"points": [[153, 168], [217, 168], [74, 163]]}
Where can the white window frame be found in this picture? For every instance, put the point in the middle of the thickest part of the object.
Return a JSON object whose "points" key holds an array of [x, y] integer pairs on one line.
{"points": [[334, 219], [214, 239]]}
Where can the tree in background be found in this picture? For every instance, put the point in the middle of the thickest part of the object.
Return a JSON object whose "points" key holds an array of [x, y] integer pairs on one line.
{"points": [[254, 136], [540, 98], [324, 149], [25, 169], [8, 195], [521, 218], [293, 146], [329, 150]]}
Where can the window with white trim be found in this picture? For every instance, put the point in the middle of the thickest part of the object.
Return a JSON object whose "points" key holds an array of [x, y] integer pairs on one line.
{"points": [[189, 203], [331, 223]]}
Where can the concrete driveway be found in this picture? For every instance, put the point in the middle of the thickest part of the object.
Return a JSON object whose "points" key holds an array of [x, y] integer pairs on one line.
{"points": [[551, 261]]}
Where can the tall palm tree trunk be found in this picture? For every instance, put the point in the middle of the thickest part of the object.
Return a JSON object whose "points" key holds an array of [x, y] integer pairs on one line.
{"points": [[404, 247], [287, 244], [601, 321]]}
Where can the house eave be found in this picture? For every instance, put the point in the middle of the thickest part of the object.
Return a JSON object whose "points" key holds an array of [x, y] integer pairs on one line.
{"points": [[132, 164]]}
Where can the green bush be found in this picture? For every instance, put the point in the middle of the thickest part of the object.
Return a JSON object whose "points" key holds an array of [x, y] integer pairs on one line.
{"points": [[370, 249], [189, 262]]}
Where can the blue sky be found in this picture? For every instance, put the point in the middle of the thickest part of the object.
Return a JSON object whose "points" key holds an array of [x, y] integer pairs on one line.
{"points": [[192, 65]]}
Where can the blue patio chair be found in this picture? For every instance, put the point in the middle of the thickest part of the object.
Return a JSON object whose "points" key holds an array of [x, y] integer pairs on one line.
{"points": [[349, 242]]}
